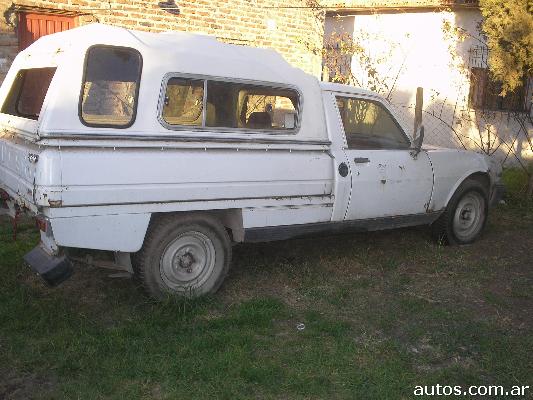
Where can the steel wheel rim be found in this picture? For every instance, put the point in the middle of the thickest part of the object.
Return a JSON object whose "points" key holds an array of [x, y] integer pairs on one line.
{"points": [[187, 261], [469, 216]]}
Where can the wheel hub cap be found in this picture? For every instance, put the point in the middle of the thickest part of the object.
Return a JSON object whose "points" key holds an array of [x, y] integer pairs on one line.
{"points": [[187, 261], [466, 215], [469, 216]]}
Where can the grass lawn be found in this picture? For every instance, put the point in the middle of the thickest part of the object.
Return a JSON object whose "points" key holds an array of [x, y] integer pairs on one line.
{"points": [[382, 313]]}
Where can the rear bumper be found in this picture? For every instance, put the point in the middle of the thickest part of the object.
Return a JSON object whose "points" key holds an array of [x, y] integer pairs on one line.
{"points": [[498, 193], [53, 269]]}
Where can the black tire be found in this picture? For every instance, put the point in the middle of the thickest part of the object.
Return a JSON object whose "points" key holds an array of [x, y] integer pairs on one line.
{"points": [[185, 255], [465, 216]]}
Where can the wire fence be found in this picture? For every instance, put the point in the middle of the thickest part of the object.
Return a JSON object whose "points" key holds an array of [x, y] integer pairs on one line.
{"points": [[438, 131]]}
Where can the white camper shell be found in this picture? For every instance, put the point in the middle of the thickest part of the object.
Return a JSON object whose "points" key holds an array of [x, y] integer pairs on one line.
{"points": [[173, 146]]}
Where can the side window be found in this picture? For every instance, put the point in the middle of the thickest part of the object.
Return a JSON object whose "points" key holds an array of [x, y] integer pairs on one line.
{"points": [[368, 125], [232, 105], [183, 103], [253, 107], [26, 97], [110, 87], [264, 108]]}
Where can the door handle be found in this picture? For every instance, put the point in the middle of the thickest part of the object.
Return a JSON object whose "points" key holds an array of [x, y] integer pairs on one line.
{"points": [[361, 160]]}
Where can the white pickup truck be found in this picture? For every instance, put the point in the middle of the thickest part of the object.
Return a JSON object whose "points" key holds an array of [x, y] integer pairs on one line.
{"points": [[171, 147]]}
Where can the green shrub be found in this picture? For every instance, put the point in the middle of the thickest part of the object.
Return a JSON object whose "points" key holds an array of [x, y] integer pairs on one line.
{"points": [[516, 180]]}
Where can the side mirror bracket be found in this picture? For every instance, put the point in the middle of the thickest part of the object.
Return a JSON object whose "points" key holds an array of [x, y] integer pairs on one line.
{"points": [[418, 133], [417, 142]]}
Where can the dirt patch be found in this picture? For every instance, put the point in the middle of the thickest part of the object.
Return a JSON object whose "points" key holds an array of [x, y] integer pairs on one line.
{"points": [[24, 386]]}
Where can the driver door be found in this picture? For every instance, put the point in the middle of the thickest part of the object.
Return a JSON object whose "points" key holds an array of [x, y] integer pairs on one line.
{"points": [[386, 181]]}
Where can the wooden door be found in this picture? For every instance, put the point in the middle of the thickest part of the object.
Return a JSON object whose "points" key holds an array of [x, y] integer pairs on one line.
{"points": [[32, 26]]}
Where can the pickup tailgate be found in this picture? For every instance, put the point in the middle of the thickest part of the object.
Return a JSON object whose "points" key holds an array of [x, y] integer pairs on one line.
{"points": [[19, 159]]}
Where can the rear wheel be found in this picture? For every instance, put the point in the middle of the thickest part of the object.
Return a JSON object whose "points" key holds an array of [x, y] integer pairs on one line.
{"points": [[465, 216], [183, 255]]}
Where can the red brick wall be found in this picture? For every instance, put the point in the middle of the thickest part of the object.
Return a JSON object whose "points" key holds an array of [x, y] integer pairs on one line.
{"points": [[266, 23]]}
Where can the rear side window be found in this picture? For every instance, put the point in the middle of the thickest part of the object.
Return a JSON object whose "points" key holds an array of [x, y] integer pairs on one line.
{"points": [[267, 108], [110, 87], [235, 105], [183, 103], [27, 94]]}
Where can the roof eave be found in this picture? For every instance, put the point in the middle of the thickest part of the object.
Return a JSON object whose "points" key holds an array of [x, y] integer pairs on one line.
{"points": [[344, 10]]}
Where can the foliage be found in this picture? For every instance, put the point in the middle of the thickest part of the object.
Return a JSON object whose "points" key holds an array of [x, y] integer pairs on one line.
{"points": [[341, 49], [508, 27], [516, 182]]}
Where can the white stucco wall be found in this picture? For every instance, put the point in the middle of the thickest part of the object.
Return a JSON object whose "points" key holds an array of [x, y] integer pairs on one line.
{"points": [[412, 49]]}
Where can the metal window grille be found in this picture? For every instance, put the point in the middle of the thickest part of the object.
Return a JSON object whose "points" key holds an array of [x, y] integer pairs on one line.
{"points": [[485, 92]]}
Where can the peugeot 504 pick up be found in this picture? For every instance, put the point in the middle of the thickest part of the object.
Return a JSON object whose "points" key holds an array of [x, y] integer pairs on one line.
{"points": [[168, 148]]}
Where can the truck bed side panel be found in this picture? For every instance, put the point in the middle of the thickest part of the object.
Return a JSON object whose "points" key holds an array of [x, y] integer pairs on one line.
{"points": [[125, 176]]}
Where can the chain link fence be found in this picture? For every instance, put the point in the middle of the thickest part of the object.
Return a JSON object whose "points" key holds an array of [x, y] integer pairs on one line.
{"points": [[438, 131]]}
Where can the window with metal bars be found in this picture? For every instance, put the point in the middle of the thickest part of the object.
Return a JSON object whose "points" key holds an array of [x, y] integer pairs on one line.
{"points": [[485, 91]]}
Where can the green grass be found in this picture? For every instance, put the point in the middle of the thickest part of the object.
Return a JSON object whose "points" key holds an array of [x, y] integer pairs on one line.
{"points": [[516, 180], [383, 312]]}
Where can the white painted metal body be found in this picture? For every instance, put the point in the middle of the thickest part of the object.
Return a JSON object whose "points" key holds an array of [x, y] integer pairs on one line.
{"points": [[99, 187]]}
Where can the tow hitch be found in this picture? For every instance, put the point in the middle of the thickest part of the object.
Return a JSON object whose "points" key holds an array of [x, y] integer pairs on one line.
{"points": [[53, 269]]}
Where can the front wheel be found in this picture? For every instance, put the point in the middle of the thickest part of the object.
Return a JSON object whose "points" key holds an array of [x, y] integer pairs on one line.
{"points": [[183, 255], [465, 216]]}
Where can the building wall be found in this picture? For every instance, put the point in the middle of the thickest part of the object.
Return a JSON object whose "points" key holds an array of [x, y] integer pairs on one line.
{"points": [[274, 24], [411, 49]]}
